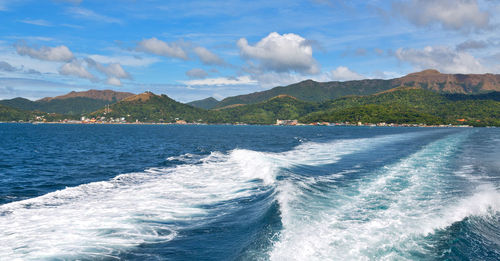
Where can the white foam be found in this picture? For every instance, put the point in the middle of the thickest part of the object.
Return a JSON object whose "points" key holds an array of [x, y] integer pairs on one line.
{"points": [[100, 218], [380, 217]]}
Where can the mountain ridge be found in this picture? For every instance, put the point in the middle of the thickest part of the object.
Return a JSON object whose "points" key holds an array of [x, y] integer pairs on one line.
{"points": [[430, 79], [106, 95]]}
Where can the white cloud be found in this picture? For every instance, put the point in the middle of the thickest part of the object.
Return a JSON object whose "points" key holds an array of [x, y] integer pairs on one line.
{"points": [[125, 60], [281, 53], [76, 68], [441, 58], [159, 47], [88, 14], [273, 79], [39, 22], [114, 81], [208, 57], [343, 73], [59, 53], [197, 73], [451, 14], [111, 70], [241, 80]]}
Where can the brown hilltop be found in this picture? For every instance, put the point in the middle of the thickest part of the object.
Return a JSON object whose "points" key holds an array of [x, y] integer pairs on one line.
{"points": [[452, 83], [140, 97], [107, 95]]}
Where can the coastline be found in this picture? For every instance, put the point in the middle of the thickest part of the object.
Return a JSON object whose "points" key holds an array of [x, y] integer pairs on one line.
{"points": [[245, 124]]}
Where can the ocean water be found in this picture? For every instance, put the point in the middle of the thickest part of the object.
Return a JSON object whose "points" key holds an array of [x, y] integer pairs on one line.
{"points": [[148, 192]]}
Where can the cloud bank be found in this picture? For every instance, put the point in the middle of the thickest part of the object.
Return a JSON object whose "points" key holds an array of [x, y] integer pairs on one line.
{"points": [[281, 53]]}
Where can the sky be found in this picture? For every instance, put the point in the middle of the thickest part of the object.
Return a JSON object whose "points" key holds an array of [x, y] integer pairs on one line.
{"points": [[191, 50]]}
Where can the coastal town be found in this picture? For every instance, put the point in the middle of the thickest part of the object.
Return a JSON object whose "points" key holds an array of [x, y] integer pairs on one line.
{"points": [[279, 122]]}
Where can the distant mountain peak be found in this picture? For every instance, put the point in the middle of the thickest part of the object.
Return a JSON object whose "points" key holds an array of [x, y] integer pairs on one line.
{"points": [[207, 103], [107, 95], [140, 97], [426, 72]]}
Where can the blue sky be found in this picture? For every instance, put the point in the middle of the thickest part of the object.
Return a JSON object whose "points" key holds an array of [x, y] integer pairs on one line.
{"points": [[195, 49]]}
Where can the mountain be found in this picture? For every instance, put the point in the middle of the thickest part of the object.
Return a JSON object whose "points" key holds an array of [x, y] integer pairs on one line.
{"points": [[105, 95], [433, 80], [207, 103], [451, 83], [411, 105], [312, 91], [12, 114], [149, 107], [267, 112], [74, 103]]}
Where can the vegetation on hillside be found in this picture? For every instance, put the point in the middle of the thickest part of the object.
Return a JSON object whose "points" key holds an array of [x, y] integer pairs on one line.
{"points": [[207, 103], [73, 106], [148, 107]]}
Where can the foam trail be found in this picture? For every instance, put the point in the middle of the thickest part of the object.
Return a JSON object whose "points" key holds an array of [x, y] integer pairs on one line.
{"points": [[103, 218], [384, 216]]}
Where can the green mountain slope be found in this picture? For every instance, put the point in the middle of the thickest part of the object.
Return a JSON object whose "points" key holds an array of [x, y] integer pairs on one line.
{"points": [[408, 105], [267, 112], [12, 114], [8, 114], [312, 91], [148, 107], [321, 91], [73, 103], [74, 106], [207, 103]]}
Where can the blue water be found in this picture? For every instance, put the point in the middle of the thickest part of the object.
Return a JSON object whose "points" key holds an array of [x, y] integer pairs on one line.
{"points": [[148, 192]]}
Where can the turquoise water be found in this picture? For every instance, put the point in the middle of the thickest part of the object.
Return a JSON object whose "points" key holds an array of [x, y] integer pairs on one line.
{"points": [[139, 192]]}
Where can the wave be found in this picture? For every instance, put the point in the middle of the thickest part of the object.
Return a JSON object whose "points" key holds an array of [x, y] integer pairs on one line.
{"points": [[385, 215], [103, 219]]}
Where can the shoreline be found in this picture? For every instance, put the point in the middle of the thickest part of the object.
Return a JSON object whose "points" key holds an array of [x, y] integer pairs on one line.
{"points": [[244, 124]]}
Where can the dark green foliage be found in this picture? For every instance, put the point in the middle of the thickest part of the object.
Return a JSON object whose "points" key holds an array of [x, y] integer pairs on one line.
{"points": [[207, 103], [411, 106], [157, 108], [283, 107], [400, 105], [11, 114], [74, 106], [312, 91]]}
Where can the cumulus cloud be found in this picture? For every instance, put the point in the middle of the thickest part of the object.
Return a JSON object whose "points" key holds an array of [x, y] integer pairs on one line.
{"points": [[343, 73], [114, 71], [159, 47], [241, 80], [76, 68], [111, 70], [125, 60], [197, 73], [208, 57], [471, 44], [114, 81], [58, 54], [6, 67], [441, 58], [281, 53], [450, 14]]}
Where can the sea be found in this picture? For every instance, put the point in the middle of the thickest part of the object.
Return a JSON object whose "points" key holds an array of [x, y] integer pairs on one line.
{"points": [[208, 192]]}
